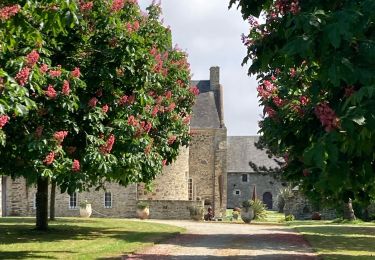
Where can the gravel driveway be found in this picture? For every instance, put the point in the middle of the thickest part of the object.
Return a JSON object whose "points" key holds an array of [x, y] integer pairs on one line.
{"points": [[215, 240]]}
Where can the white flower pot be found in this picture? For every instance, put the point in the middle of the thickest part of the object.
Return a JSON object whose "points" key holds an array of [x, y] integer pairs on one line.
{"points": [[143, 213], [85, 212]]}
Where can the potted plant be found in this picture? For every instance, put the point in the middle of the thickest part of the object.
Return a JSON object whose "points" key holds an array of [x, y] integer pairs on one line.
{"points": [[196, 212], [235, 214], [247, 212], [85, 209], [143, 211]]}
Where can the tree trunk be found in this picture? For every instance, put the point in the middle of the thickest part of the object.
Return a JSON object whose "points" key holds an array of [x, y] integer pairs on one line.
{"points": [[42, 204], [348, 211], [52, 201]]}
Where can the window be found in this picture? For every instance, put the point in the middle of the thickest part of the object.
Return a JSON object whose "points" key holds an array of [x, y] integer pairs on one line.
{"points": [[108, 200], [237, 192], [73, 200], [244, 177], [34, 201], [190, 189]]}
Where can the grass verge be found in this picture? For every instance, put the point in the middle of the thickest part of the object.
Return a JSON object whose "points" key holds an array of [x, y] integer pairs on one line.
{"points": [[76, 238], [344, 240]]}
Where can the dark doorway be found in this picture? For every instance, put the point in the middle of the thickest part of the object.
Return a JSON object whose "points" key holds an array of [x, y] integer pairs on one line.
{"points": [[267, 199]]}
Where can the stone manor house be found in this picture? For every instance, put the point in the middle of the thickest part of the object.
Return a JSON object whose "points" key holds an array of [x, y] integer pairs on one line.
{"points": [[198, 176]]}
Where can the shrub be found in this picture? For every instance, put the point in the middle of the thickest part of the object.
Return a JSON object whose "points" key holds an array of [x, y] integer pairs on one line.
{"points": [[258, 206], [246, 204], [235, 214], [196, 210], [281, 198], [290, 217], [83, 204], [259, 209], [142, 205]]}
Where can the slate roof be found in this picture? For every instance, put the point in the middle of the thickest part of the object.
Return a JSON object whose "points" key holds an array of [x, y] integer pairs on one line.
{"points": [[205, 112], [241, 150]]}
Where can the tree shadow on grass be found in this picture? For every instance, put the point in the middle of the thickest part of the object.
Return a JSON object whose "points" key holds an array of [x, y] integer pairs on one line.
{"points": [[23, 234], [29, 255], [201, 257], [282, 242], [346, 257], [341, 230], [20, 234], [338, 239]]}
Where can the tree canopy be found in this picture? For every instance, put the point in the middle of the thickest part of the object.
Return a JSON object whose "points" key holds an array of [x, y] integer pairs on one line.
{"points": [[314, 61], [91, 91]]}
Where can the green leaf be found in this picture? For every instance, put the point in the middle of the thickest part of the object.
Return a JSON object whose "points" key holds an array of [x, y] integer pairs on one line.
{"points": [[333, 32]]}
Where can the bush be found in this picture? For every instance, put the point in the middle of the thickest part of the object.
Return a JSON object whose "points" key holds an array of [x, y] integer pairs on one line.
{"points": [[281, 198], [258, 206], [259, 209], [196, 210], [290, 217], [235, 214], [142, 205], [246, 204]]}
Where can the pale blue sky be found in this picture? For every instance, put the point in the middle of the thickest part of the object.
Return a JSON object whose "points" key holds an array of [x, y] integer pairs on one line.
{"points": [[211, 34]]}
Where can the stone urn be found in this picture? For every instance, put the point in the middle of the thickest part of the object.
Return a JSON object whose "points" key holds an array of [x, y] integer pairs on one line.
{"points": [[143, 212], [85, 210], [247, 214]]}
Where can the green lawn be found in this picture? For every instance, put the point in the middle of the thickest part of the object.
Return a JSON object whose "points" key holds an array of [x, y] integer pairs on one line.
{"points": [[339, 240], [75, 238]]}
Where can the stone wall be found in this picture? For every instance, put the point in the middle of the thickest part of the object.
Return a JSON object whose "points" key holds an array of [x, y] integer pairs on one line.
{"points": [[263, 182], [201, 161], [123, 202], [171, 209], [172, 183], [208, 149], [18, 199], [21, 201], [300, 207], [220, 172]]}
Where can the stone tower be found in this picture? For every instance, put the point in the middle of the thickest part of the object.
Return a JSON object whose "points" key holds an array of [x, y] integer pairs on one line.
{"points": [[172, 183], [208, 148]]}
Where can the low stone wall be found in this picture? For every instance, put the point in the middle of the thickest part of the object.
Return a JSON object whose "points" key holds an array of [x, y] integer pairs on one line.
{"points": [[171, 209], [300, 207]]}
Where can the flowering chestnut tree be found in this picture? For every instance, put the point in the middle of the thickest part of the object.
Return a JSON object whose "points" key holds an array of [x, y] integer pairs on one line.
{"points": [[314, 61], [98, 94]]}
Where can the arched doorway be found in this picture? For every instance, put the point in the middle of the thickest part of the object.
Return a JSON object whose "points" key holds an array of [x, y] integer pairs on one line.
{"points": [[267, 199]]}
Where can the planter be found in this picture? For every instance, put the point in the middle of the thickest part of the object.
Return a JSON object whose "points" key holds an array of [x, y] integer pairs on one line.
{"points": [[143, 213], [196, 213], [85, 212], [247, 214]]}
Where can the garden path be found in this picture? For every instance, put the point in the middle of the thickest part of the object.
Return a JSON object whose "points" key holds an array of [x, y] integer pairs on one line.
{"points": [[215, 240]]}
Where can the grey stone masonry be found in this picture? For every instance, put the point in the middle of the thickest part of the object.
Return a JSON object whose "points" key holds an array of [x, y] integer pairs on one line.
{"points": [[239, 190], [21, 201], [171, 209], [300, 207], [208, 167], [172, 183]]}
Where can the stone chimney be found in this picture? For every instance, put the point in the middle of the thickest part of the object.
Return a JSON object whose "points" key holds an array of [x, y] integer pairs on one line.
{"points": [[218, 91], [214, 77]]}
